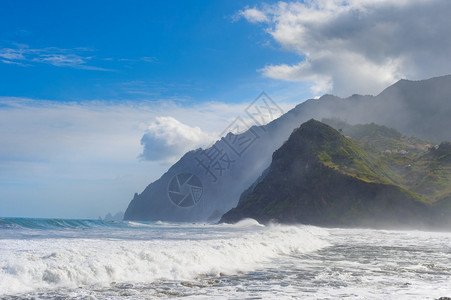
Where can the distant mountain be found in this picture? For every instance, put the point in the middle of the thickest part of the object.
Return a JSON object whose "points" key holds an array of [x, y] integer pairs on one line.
{"points": [[204, 184], [321, 177], [116, 217]]}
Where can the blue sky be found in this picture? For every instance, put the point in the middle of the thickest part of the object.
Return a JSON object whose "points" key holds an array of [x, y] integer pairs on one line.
{"points": [[116, 50], [82, 82]]}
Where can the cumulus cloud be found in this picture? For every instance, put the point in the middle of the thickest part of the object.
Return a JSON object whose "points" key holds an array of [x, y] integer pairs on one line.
{"points": [[39, 130], [358, 46], [72, 160], [253, 15], [167, 139]]}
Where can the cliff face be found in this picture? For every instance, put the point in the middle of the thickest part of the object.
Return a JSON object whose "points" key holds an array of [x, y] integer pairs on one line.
{"points": [[399, 106], [204, 184], [320, 177]]}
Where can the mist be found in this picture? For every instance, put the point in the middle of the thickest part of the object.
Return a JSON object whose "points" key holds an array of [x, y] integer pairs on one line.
{"points": [[399, 106]]}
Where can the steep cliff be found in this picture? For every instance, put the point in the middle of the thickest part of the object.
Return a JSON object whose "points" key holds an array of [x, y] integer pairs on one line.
{"points": [[321, 177], [223, 171]]}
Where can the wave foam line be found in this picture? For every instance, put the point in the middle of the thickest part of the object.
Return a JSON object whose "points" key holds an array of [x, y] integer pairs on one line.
{"points": [[31, 265]]}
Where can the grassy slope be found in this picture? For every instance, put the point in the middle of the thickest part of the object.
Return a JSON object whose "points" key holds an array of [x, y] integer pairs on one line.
{"points": [[421, 171], [319, 176]]}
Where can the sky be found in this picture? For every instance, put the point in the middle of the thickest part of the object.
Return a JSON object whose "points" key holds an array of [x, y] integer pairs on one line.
{"points": [[88, 87]]}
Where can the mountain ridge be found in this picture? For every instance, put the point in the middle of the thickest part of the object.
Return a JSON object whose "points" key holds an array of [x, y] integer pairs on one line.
{"points": [[320, 177], [390, 108]]}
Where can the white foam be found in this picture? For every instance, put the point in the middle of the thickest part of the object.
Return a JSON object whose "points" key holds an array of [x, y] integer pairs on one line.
{"points": [[247, 223], [31, 265], [137, 224]]}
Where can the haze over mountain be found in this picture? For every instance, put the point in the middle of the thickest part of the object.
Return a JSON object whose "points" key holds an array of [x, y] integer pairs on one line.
{"points": [[223, 171], [321, 177]]}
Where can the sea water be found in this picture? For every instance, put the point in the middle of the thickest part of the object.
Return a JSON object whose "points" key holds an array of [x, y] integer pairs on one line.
{"points": [[84, 259]]}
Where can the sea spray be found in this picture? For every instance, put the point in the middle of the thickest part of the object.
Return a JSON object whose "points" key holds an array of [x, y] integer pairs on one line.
{"points": [[34, 262]]}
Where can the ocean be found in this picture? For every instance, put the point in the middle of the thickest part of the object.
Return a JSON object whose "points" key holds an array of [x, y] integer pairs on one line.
{"points": [[87, 259]]}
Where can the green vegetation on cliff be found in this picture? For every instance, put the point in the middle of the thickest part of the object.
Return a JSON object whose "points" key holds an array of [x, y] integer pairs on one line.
{"points": [[409, 162], [320, 176]]}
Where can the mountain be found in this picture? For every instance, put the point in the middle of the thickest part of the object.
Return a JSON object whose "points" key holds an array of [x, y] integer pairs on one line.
{"points": [[204, 184], [321, 177], [410, 162], [116, 217]]}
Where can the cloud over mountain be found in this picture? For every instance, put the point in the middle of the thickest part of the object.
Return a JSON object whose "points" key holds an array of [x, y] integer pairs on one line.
{"points": [[167, 139], [356, 46]]}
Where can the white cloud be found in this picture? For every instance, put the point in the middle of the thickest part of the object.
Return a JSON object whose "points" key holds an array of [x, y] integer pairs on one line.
{"points": [[9, 62], [23, 55], [167, 139], [11, 54], [77, 58], [148, 59], [358, 46], [73, 160], [61, 60], [38, 130], [253, 15], [299, 72]]}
